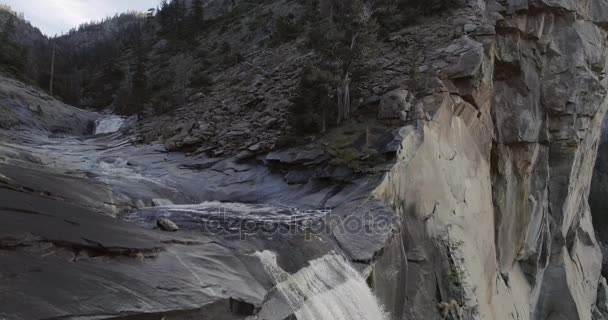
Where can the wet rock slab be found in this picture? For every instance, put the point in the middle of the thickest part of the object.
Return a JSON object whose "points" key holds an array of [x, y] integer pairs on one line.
{"points": [[61, 260], [64, 260]]}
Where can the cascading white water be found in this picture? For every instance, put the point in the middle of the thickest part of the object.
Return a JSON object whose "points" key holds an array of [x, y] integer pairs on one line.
{"points": [[253, 212], [108, 124], [328, 289]]}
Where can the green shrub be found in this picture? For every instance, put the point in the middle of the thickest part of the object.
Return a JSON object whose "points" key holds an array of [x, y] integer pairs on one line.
{"points": [[393, 15], [312, 109]]}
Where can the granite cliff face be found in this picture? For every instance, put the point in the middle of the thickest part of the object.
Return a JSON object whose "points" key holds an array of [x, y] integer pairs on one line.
{"points": [[503, 227], [481, 143]]}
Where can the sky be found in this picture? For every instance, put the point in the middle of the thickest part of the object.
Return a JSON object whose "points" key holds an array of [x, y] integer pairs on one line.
{"points": [[57, 16]]}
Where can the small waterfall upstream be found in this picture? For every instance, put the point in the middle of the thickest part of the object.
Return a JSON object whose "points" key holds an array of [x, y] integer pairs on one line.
{"points": [[108, 124], [328, 289]]}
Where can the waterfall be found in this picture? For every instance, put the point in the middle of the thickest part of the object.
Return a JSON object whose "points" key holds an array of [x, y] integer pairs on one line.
{"points": [[108, 124], [328, 289]]}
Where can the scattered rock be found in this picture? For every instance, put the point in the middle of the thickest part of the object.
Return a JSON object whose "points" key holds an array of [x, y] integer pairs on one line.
{"points": [[191, 140], [196, 96], [393, 103], [469, 28], [245, 154], [297, 156], [372, 100], [254, 148], [166, 225]]}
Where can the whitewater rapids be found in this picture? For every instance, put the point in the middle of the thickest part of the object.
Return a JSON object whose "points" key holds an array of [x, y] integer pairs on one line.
{"points": [[108, 124], [329, 288]]}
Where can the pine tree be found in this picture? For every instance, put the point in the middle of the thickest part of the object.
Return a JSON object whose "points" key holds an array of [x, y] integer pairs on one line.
{"points": [[179, 18], [175, 22], [197, 13], [13, 57], [311, 110], [165, 17], [183, 68], [9, 28], [139, 84], [346, 38]]}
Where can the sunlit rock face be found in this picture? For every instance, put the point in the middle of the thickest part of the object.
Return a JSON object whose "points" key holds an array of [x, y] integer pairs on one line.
{"points": [[493, 191], [441, 188], [548, 117]]}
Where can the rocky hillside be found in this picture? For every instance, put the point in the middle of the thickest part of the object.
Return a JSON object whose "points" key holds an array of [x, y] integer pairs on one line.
{"points": [[23, 32], [24, 50], [240, 64]]}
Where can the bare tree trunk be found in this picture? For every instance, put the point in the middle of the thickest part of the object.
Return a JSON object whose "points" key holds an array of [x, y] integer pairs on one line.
{"points": [[52, 69], [346, 100], [324, 120], [367, 135], [184, 84], [339, 105], [343, 91]]}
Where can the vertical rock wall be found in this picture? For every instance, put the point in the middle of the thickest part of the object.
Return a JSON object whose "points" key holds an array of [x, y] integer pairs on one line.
{"points": [[598, 201], [492, 191]]}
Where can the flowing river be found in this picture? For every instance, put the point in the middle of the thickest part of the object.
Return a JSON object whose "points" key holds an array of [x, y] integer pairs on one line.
{"points": [[110, 174]]}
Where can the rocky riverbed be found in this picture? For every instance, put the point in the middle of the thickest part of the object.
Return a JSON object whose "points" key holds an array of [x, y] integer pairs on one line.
{"points": [[79, 237]]}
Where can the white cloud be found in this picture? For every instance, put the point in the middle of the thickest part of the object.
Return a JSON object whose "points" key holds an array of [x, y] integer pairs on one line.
{"points": [[59, 16]]}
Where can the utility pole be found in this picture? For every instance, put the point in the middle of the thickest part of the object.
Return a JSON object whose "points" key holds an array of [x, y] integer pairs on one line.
{"points": [[52, 69]]}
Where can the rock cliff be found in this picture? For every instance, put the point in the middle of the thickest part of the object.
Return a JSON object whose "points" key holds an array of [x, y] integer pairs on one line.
{"points": [[502, 229]]}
